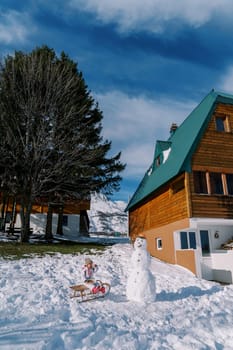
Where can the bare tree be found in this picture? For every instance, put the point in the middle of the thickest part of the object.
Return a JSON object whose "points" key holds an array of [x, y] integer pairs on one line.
{"points": [[50, 133]]}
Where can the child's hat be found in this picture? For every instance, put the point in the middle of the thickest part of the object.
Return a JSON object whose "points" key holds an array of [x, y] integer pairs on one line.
{"points": [[88, 261]]}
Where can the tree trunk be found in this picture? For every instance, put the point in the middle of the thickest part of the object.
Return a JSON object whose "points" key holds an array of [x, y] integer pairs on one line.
{"points": [[48, 230], [60, 221], [84, 223], [25, 212], [3, 211], [13, 217]]}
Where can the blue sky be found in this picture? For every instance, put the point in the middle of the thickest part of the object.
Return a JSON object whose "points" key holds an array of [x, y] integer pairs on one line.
{"points": [[147, 63]]}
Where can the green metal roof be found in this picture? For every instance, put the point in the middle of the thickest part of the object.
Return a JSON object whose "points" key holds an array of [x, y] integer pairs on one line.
{"points": [[182, 144]]}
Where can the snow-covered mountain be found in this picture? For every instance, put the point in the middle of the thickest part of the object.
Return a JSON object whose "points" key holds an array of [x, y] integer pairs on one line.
{"points": [[107, 216]]}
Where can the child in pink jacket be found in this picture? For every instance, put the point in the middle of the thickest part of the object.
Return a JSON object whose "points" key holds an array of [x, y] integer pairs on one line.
{"points": [[89, 269]]}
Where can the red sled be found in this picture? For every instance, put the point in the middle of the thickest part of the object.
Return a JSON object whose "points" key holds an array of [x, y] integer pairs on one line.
{"points": [[97, 289]]}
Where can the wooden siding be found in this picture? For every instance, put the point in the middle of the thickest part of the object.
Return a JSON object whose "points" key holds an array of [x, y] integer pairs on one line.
{"points": [[214, 154], [69, 208], [186, 258], [165, 207], [213, 206]]}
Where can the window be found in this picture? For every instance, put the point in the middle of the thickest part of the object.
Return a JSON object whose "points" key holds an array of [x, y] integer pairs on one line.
{"points": [[229, 180], [213, 183], [65, 220], [216, 183], [188, 240], [159, 243], [158, 160], [200, 184], [183, 240], [192, 240], [205, 244], [222, 123]]}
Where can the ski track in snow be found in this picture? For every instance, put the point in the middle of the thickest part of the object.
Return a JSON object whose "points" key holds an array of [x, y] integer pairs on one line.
{"points": [[37, 312]]}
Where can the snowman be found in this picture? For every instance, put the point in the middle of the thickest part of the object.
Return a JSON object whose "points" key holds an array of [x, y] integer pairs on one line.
{"points": [[141, 283]]}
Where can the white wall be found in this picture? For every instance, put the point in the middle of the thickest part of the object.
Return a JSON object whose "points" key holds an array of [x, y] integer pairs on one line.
{"points": [[223, 226], [219, 264], [222, 264], [38, 223], [206, 267]]}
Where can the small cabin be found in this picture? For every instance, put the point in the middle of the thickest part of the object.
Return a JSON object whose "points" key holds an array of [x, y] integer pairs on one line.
{"points": [[184, 203], [75, 221]]}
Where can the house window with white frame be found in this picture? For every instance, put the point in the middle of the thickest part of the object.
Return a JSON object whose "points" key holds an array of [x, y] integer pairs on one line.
{"points": [[188, 240], [159, 243]]}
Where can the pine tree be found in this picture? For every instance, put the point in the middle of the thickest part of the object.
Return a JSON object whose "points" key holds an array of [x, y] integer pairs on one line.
{"points": [[50, 133]]}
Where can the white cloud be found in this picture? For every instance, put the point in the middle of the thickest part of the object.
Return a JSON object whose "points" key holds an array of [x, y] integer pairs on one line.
{"points": [[154, 15], [14, 27], [138, 158], [226, 82], [133, 124]]}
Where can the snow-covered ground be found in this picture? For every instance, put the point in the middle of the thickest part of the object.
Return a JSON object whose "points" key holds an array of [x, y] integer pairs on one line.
{"points": [[37, 312]]}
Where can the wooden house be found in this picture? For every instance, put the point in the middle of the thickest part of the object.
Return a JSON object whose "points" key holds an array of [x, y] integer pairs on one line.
{"points": [[184, 203], [75, 221]]}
